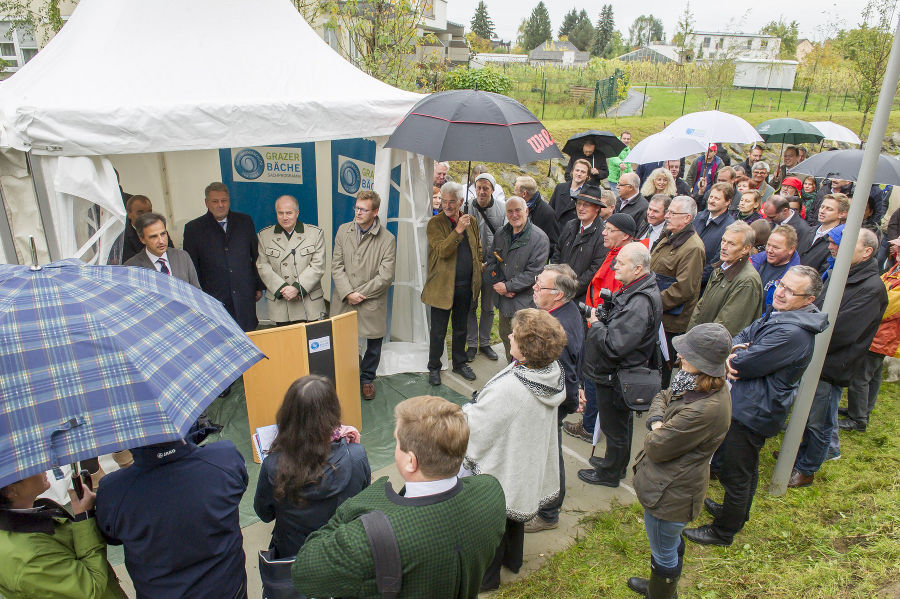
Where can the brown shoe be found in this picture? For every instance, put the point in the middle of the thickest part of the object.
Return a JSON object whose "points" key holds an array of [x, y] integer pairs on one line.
{"points": [[537, 524], [798, 480], [368, 391], [576, 429]]}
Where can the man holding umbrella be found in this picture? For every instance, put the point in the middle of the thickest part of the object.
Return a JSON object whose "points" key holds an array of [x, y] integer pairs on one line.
{"points": [[453, 281], [594, 146]]}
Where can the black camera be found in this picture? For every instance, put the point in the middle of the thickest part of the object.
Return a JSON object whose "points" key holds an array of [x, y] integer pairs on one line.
{"points": [[585, 310]]}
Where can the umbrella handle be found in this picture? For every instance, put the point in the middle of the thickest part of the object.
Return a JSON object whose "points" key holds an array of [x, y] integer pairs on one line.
{"points": [[68, 425]]}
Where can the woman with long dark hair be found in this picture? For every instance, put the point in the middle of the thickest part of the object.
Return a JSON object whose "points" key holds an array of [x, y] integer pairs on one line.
{"points": [[311, 468]]}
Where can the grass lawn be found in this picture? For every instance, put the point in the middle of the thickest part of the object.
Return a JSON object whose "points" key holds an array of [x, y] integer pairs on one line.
{"points": [[838, 538], [668, 101]]}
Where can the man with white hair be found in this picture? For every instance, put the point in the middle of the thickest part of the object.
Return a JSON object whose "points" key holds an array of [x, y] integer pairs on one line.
{"points": [[453, 281], [440, 173], [631, 202], [760, 177]]}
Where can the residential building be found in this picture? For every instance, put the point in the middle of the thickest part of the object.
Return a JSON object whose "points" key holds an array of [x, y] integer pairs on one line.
{"points": [[558, 53], [16, 48], [804, 47], [702, 45]]}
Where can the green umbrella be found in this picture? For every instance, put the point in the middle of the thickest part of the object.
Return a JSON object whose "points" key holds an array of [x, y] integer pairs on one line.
{"points": [[789, 131]]}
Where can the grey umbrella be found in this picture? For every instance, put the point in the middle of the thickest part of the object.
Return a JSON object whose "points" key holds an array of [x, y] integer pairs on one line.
{"points": [[845, 164]]}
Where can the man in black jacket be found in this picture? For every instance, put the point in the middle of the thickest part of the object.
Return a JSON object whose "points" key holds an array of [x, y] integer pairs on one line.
{"points": [[631, 202], [832, 212], [563, 199], [624, 336], [581, 241], [554, 291], [859, 315], [539, 211], [223, 247]]}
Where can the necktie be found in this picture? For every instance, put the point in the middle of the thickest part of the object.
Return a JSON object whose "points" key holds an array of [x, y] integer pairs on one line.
{"points": [[162, 266], [223, 223], [582, 229]]}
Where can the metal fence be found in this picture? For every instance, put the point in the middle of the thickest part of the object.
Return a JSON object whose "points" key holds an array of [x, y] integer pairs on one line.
{"points": [[567, 96]]}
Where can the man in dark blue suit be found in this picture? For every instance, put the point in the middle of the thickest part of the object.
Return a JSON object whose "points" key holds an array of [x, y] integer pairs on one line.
{"points": [[223, 246]]}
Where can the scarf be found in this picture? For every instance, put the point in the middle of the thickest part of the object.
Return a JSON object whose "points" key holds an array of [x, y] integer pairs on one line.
{"points": [[682, 382]]}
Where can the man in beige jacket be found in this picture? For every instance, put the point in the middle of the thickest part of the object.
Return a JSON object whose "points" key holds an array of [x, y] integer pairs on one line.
{"points": [[362, 266], [291, 264]]}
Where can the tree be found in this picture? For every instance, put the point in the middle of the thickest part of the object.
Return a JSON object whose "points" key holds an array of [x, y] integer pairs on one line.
{"points": [[537, 28], [787, 32], [867, 48], [482, 25], [605, 28], [583, 33], [568, 23], [378, 35], [645, 29], [478, 44], [684, 28], [40, 18], [616, 46]]}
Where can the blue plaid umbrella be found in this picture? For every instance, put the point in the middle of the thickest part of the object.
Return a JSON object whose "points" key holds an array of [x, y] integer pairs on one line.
{"points": [[96, 359]]}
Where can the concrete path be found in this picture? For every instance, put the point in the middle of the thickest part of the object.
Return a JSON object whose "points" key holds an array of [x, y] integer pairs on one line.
{"points": [[630, 106], [581, 499]]}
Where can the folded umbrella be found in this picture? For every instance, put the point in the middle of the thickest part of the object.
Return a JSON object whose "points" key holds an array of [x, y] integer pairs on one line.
{"points": [[97, 359], [845, 164]]}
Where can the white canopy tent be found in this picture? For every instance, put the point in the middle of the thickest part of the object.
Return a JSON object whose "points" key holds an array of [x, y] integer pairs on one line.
{"points": [[156, 89]]}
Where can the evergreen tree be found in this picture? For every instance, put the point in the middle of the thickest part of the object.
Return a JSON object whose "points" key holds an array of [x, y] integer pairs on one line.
{"points": [[537, 29], [583, 33], [481, 24], [645, 29], [568, 23], [605, 27]]}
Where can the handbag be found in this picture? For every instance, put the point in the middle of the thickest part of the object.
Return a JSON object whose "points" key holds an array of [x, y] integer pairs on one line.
{"points": [[637, 386], [275, 574]]}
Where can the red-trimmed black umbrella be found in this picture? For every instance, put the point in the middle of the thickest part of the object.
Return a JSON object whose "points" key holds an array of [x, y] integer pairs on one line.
{"points": [[468, 124]]}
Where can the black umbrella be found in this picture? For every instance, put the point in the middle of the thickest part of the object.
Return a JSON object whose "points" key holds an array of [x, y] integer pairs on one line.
{"points": [[468, 124], [606, 141], [845, 164]]}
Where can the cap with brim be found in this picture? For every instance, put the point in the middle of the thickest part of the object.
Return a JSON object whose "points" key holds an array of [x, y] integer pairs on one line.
{"points": [[624, 223], [592, 195], [706, 346]]}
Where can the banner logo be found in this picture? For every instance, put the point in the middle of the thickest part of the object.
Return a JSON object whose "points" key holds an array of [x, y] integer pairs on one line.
{"points": [[264, 164], [540, 141], [354, 175]]}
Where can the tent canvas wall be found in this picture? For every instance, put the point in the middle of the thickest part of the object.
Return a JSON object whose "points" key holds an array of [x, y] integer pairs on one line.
{"points": [[159, 88]]}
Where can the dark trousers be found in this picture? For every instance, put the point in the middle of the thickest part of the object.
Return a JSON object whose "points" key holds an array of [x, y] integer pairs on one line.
{"points": [[370, 360], [864, 386], [616, 422], [739, 474], [550, 512], [669, 366], [457, 316], [509, 554], [589, 415]]}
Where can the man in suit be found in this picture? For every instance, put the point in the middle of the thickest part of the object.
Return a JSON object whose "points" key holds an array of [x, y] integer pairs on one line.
{"points": [[779, 212], [291, 262], [656, 219], [631, 202], [362, 267], [539, 211], [563, 199], [223, 246], [581, 241], [151, 228], [131, 245], [711, 224], [832, 212]]}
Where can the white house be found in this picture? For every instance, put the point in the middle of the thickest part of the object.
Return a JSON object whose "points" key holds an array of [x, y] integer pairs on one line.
{"points": [[709, 44], [16, 48]]}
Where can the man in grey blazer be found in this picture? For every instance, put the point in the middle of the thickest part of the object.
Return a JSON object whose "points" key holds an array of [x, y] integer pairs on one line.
{"points": [[151, 230]]}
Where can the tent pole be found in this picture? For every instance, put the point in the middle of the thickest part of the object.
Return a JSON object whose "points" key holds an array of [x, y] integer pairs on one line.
{"points": [[803, 402], [7, 243], [166, 189], [43, 202]]}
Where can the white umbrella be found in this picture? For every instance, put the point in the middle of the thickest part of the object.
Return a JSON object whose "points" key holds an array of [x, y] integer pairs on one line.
{"points": [[662, 146], [836, 132], [714, 126]]}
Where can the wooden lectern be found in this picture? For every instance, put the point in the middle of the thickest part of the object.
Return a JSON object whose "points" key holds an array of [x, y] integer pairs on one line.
{"points": [[327, 347]]}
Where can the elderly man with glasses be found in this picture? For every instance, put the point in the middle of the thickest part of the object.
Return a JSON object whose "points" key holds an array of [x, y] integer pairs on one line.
{"points": [[631, 202]]}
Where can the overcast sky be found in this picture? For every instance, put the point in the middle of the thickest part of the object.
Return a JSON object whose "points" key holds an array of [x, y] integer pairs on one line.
{"points": [[817, 19]]}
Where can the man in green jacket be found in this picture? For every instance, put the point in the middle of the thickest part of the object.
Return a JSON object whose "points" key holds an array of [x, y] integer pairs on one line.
{"points": [[733, 296], [617, 164], [447, 528]]}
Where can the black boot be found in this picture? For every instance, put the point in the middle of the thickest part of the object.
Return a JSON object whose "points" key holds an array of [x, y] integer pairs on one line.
{"points": [[663, 582], [638, 585]]}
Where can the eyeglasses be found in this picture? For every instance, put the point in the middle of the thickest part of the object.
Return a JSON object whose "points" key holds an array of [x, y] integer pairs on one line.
{"points": [[537, 284], [362, 210], [673, 213], [789, 292]]}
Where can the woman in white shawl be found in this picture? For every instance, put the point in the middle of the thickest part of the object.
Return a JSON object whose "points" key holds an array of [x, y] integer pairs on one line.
{"points": [[512, 426]]}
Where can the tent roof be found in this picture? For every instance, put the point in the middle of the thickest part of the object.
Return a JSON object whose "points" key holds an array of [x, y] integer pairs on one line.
{"points": [[131, 76]]}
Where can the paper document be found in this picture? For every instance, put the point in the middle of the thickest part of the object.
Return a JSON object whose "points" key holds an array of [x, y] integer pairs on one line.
{"points": [[262, 440]]}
